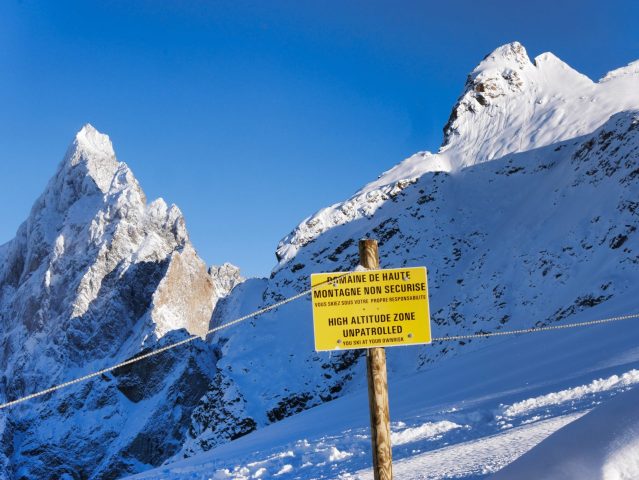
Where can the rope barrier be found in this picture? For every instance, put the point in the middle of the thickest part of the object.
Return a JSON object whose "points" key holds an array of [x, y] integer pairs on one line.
{"points": [[282, 303], [168, 347], [537, 329]]}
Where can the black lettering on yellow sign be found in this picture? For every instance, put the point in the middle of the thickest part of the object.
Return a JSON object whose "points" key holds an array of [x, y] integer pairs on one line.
{"points": [[402, 316], [374, 290], [396, 275], [333, 321], [405, 287], [370, 308], [337, 292], [354, 278], [366, 331], [363, 319]]}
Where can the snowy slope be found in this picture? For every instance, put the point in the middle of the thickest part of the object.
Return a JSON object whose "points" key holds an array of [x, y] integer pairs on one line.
{"points": [[465, 417], [509, 104], [94, 276], [602, 445], [514, 235], [533, 238]]}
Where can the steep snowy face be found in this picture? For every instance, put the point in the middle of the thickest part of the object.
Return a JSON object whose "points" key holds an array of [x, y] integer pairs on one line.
{"points": [[510, 104], [529, 239], [94, 275]]}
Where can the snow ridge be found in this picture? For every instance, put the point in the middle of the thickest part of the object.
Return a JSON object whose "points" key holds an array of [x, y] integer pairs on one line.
{"points": [[510, 104]]}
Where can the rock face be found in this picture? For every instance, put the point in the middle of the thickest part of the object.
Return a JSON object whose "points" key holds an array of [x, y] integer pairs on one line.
{"points": [[94, 276], [527, 215]]}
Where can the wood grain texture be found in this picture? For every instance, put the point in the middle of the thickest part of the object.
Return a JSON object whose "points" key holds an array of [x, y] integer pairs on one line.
{"points": [[377, 386]]}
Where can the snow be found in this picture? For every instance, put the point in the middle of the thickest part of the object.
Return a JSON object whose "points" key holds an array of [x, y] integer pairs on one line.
{"points": [[95, 150], [630, 70], [421, 432], [450, 414], [471, 459], [285, 469], [571, 394], [510, 104], [602, 445]]}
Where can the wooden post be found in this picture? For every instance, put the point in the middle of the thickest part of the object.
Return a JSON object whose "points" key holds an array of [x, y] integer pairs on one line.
{"points": [[377, 386]]}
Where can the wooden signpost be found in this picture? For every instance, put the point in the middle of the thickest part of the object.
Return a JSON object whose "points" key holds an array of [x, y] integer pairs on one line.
{"points": [[377, 386], [372, 309]]}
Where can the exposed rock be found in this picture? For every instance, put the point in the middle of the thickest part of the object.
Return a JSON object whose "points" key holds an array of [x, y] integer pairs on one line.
{"points": [[95, 276]]}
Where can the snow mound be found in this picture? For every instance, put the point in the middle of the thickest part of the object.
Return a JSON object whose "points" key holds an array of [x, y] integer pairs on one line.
{"points": [[602, 445], [427, 430], [572, 394]]}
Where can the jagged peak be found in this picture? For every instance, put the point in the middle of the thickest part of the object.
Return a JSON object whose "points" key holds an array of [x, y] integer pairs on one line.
{"points": [[510, 55], [503, 71], [510, 104], [90, 139], [548, 58], [88, 179], [168, 217], [95, 151]]}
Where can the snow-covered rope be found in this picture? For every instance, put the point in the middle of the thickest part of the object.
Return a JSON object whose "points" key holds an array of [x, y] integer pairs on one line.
{"points": [[284, 302]]}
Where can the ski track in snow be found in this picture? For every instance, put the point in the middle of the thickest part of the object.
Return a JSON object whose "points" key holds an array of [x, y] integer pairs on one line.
{"points": [[324, 459], [473, 459]]}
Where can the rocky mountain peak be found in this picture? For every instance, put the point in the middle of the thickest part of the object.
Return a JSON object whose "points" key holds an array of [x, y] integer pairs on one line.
{"points": [[95, 275], [510, 104], [93, 152], [511, 54]]}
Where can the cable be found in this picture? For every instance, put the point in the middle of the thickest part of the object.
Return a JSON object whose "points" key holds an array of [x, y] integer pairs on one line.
{"points": [[284, 302], [171, 346], [538, 329]]}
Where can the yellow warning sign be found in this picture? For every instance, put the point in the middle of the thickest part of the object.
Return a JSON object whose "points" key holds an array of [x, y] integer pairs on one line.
{"points": [[371, 308]]}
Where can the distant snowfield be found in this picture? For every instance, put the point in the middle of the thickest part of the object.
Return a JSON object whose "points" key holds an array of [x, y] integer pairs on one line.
{"points": [[467, 417]]}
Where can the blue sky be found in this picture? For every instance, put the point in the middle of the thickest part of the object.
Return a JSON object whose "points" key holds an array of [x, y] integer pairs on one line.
{"points": [[250, 116]]}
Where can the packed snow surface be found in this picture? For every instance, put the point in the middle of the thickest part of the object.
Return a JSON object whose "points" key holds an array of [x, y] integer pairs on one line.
{"points": [[602, 445]]}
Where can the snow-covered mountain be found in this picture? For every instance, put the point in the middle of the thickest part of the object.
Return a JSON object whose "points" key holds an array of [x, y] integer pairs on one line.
{"points": [[95, 274], [527, 215], [468, 416], [509, 105]]}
